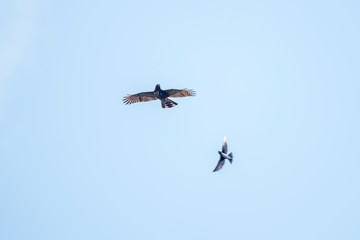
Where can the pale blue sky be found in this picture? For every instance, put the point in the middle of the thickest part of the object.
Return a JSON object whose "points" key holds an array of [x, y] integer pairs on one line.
{"points": [[279, 78]]}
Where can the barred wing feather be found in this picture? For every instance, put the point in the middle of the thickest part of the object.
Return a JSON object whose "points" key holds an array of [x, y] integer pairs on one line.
{"points": [[179, 93], [140, 97]]}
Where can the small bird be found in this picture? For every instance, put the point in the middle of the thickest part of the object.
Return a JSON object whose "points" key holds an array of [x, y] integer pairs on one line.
{"points": [[162, 95], [223, 156]]}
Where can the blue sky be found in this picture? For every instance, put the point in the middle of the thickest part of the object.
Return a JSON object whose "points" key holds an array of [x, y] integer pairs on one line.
{"points": [[279, 79]]}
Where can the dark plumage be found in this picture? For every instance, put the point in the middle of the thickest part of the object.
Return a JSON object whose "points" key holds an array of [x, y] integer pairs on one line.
{"points": [[162, 95]]}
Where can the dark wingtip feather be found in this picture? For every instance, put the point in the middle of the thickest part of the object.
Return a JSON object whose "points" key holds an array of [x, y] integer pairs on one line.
{"points": [[126, 100]]}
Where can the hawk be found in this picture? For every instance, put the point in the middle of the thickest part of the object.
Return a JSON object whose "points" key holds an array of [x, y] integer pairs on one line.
{"points": [[223, 156], [162, 95]]}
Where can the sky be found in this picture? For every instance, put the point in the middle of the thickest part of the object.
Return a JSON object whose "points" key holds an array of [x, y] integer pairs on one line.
{"points": [[279, 79]]}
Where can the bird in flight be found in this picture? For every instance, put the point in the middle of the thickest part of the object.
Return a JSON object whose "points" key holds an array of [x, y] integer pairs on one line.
{"points": [[162, 95], [223, 156]]}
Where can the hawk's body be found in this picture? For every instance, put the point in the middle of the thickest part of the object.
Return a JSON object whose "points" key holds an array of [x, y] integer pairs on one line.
{"points": [[162, 95]]}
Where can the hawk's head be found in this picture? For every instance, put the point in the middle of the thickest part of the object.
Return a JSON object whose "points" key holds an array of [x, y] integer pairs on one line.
{"points": [[157, 87]]}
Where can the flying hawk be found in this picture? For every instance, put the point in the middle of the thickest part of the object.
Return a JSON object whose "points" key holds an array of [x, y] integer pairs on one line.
{"points": [[162, 95], [223, 156]]}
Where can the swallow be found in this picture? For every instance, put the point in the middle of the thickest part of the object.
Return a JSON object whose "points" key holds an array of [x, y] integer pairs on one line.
{"points": [[223, 155]]}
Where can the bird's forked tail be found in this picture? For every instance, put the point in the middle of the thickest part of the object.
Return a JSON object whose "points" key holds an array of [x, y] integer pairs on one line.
{"points": [[231, 157]]}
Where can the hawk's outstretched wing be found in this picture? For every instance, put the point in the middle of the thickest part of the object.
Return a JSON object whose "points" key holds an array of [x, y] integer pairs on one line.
{"points": [[140, 97], [220, 164], [179, 93]]}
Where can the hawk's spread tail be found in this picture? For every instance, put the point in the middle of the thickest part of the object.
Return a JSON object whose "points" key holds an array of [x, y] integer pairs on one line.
{"points": [[167, 103]]}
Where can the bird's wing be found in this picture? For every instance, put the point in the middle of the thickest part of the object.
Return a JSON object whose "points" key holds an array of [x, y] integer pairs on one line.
{"points": [[179, 93], [220, 164], [224, 147], [139, 97]]}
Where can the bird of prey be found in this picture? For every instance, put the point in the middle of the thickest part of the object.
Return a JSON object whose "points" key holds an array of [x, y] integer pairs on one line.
{"points": [[162, 95], [223, 156]]}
